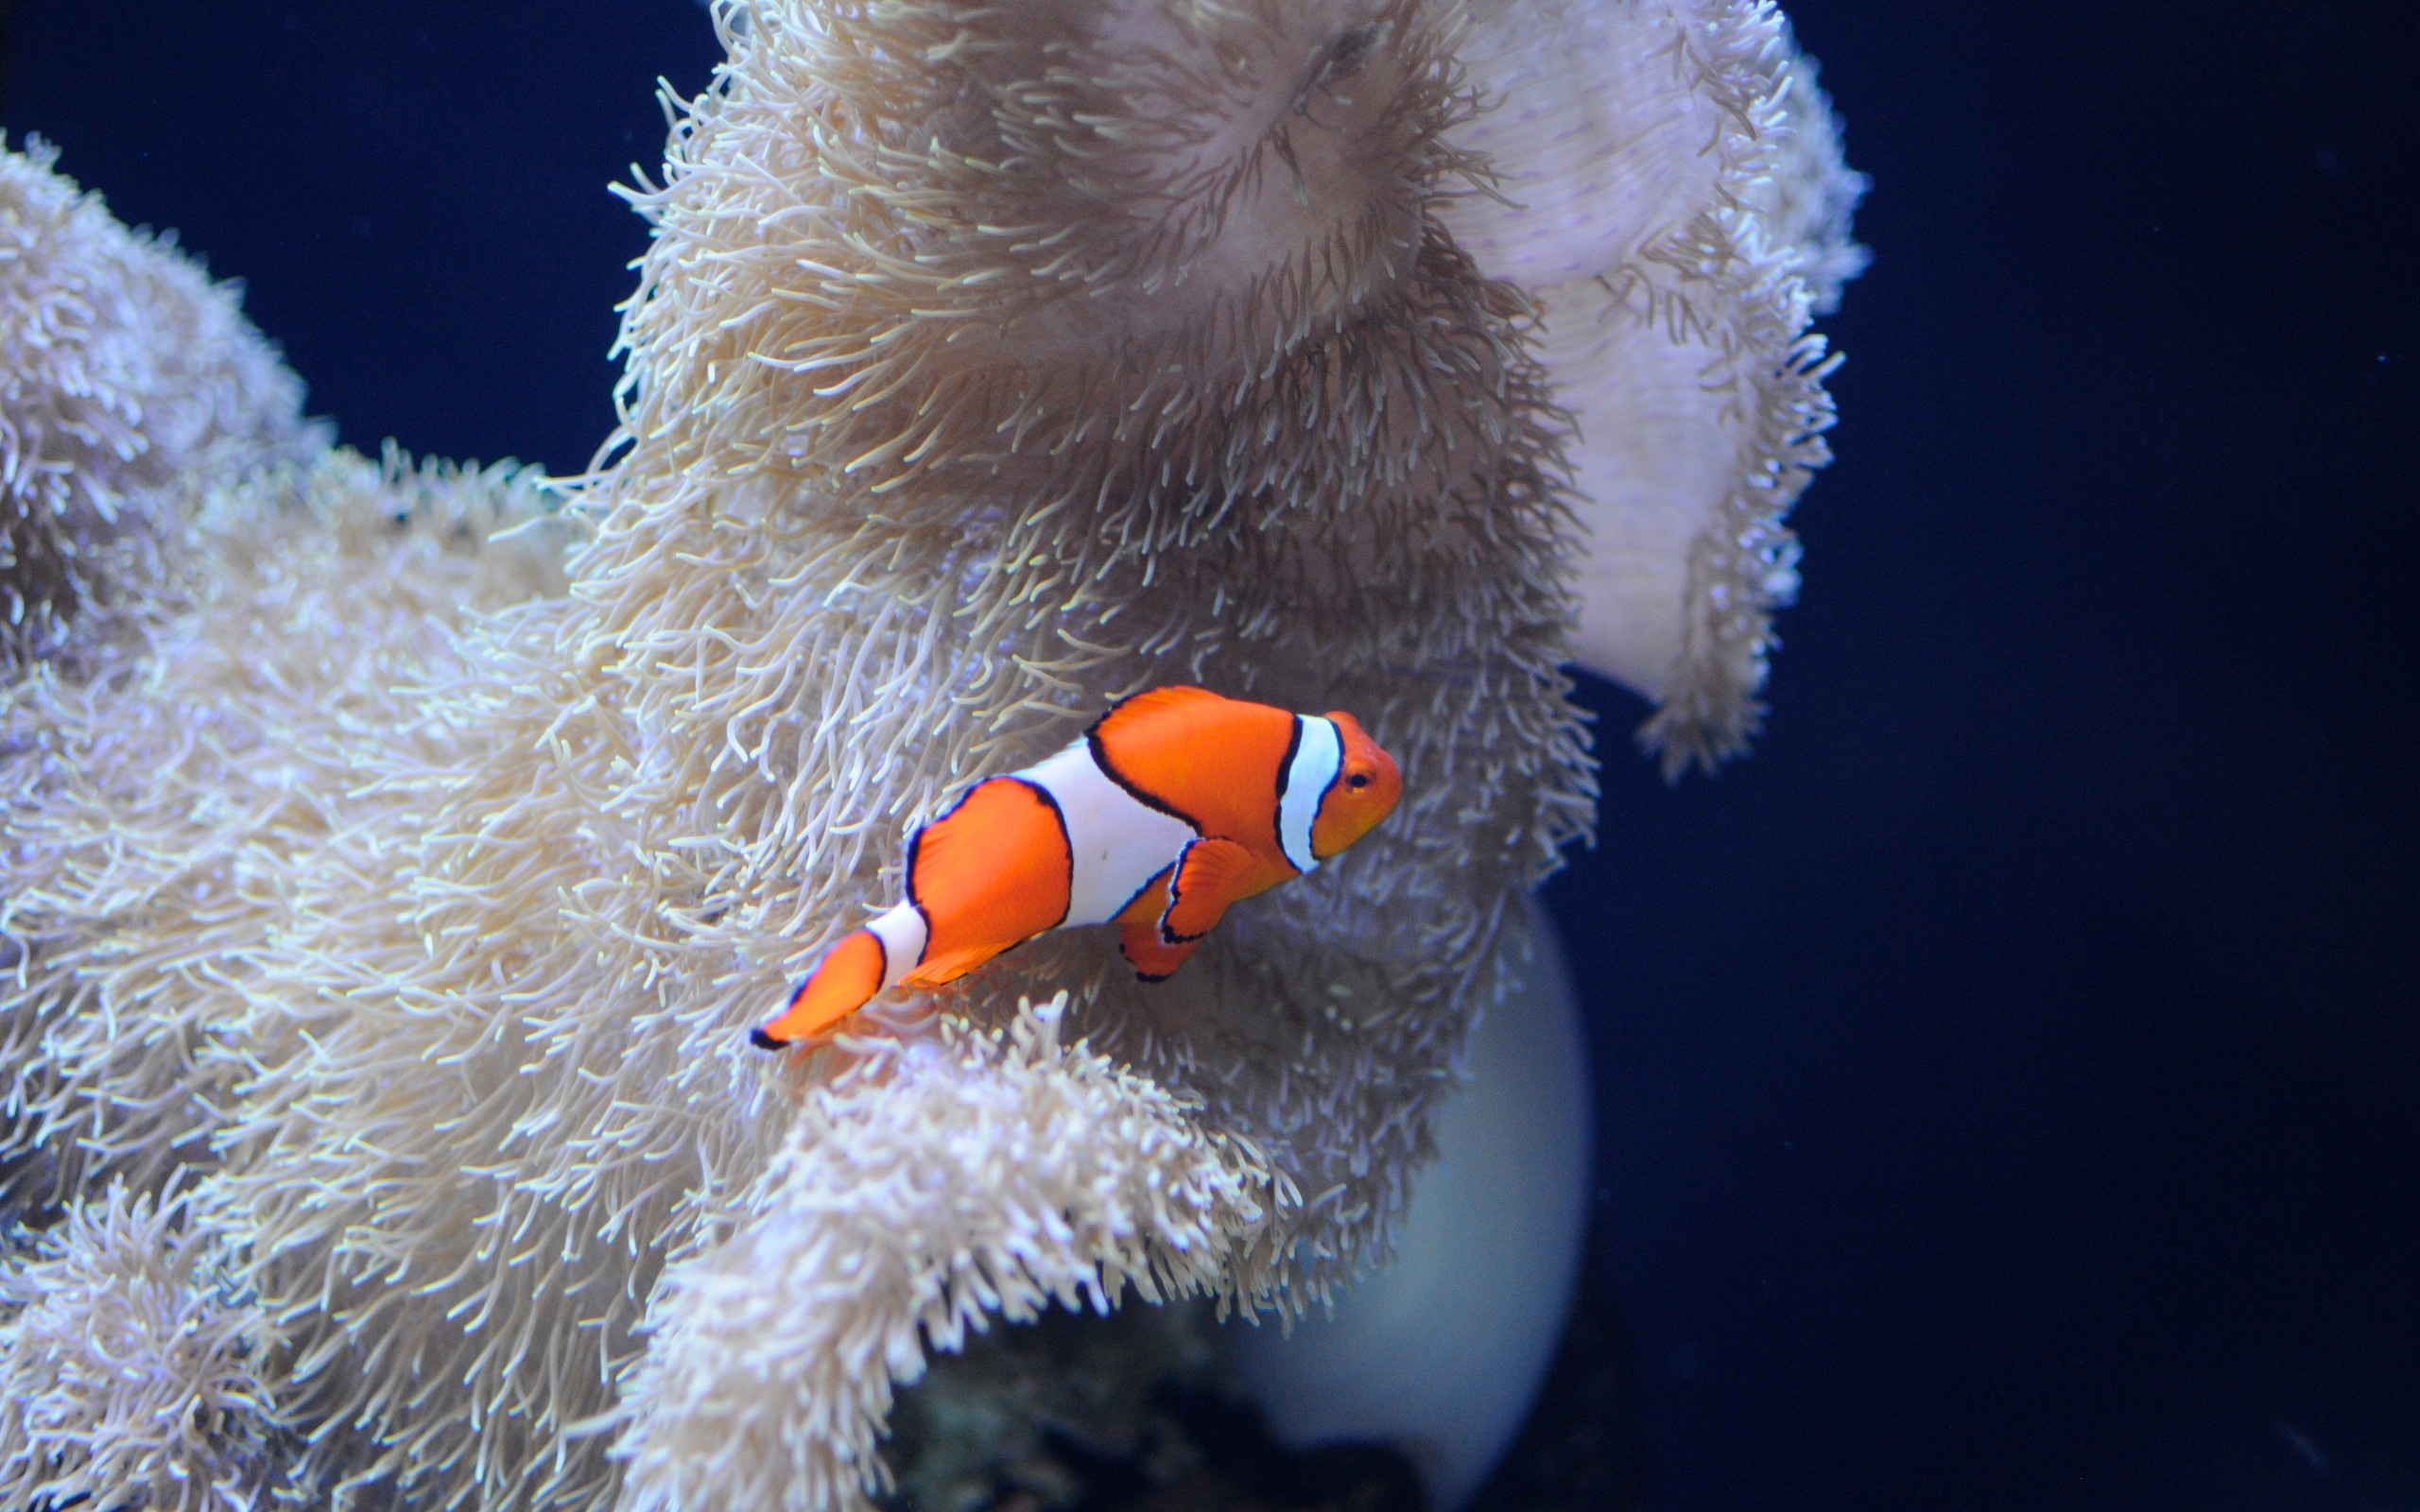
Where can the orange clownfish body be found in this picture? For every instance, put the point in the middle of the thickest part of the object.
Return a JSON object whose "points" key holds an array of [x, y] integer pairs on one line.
{"points": [[1176, 804]]}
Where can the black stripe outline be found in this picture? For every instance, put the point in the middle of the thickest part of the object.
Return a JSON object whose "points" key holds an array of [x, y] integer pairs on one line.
{"points": [[1310, 836], [1066, 840], [1108, 769], [916, 849], [1286, 775], [1168, 871], [1176, 896]]}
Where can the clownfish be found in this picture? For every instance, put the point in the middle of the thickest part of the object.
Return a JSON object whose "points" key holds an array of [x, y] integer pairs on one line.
{"points": [[1174, 805]]}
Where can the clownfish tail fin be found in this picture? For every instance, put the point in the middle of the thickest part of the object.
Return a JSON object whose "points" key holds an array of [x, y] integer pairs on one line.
{"points": [[844, 981]]}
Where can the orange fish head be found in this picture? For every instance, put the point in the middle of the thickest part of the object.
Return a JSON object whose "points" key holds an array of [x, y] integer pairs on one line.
{"points": [[1367, 788]]}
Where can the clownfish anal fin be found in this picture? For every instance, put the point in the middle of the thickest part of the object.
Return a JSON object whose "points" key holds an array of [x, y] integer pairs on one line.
{"points": [[1153, 959], [1210, 876], [1139, 930]]}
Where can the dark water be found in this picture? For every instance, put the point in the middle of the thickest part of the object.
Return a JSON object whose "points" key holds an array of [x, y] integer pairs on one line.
{"points": [[2008, 1075]]}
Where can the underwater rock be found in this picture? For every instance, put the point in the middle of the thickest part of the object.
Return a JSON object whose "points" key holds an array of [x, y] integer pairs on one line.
{"points": [[1128, 1412]]}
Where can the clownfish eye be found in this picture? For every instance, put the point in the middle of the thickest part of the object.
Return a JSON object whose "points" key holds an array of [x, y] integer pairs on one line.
{"points": [[1357, 780]]}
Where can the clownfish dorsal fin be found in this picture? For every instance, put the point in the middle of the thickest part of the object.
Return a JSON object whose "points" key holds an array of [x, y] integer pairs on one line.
{"points": [[1178, 700], [1210, 876], [1214, 762]]}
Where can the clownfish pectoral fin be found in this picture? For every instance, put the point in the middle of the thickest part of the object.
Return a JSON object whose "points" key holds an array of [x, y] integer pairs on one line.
{"points": [[1210, 876], [844, 981], [939, 970], [1153, 959]]}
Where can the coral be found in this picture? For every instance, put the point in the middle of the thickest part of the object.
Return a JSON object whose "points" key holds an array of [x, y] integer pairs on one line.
{"points": [[407, 862], [129, 1366], [1067, 1180], [156, 791], [130, 386], [1672, 195]]}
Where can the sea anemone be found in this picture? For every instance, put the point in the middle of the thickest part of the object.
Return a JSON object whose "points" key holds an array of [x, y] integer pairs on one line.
{"points": [[1671, 193], [406, 864], [128, 386]]}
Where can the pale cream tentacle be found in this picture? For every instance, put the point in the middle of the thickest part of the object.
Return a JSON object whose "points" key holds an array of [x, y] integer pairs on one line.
{"points": [[1670, 191]]}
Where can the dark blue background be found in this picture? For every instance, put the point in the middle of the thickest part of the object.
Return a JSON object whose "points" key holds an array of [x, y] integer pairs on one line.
{"points": [[2007, 1074]]}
